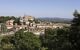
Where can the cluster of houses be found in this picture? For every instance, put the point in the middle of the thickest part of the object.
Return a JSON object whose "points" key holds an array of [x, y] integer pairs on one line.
{"points": [[28, 23]]}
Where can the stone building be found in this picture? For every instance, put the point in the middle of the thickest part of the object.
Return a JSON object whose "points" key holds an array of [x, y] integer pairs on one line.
{"points": [[9, 24]]}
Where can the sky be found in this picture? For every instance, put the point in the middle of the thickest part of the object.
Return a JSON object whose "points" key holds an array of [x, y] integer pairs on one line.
{"points": [[39, 8]]}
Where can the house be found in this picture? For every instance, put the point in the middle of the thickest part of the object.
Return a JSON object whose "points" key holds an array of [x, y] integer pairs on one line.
{"points": [[28, 18], [9, 24]]}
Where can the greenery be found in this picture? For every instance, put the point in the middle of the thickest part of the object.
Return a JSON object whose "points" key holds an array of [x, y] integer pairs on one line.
{"points": [[26, 41], [3, 28], [17, 20], [21, 41], [56, 39], [74, 37], [3, 19], [6, 43]]}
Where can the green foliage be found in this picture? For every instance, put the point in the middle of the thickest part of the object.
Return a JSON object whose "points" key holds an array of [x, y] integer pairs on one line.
{"points": [[17, 20], [3, 19], [74, 37], [21, 41], [3, 28], [26, 41], [6, 43], [56, 39]]}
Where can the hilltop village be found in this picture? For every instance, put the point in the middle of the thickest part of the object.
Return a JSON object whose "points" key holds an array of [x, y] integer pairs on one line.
{"points": [[28, 23]]}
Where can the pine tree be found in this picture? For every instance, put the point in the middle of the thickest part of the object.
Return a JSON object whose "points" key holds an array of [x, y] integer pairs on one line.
{"points": [[74, 37]]}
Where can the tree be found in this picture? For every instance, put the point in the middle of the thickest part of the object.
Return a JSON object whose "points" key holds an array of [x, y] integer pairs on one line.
{"points": [[3, 19], [56, 39], [3, 28], [26, 41], [6, 44], [74, 37], [17, 20]]}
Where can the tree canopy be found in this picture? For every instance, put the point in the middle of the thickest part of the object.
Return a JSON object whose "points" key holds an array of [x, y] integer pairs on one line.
{"points": [[74, 37], [21, 41], [3, 19], [56, 39]]}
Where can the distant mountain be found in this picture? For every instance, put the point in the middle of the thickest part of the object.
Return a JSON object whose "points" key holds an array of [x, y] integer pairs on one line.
{"points": [[58, 20]]}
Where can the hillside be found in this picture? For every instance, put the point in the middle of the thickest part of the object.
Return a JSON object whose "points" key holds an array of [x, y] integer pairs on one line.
{"points": [[56, 20]]}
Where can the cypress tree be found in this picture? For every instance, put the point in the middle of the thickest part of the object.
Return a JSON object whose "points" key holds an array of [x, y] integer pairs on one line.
{"points": [[74, 37]]}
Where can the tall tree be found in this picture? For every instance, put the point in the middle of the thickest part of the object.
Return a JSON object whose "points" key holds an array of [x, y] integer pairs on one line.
{"points": [[74, 37]]}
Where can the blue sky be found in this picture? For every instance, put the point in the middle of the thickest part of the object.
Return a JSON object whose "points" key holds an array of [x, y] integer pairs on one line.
{"points": [[39, 8]]}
